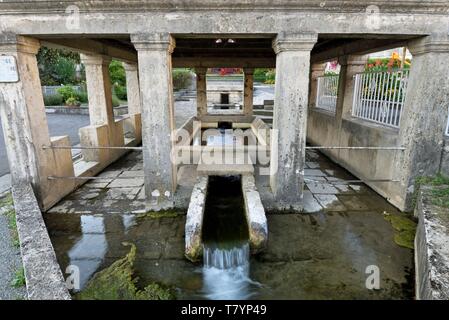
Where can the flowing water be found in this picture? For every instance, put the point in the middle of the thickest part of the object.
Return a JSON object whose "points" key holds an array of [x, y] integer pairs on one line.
{"points": [[226, 260]]}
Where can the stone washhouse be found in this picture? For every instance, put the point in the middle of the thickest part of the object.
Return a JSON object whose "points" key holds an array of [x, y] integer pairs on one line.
{"points": [[153, 37]]}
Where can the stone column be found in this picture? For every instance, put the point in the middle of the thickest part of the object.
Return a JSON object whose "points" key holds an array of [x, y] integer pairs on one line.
{"points": [[290, 117], [25, 127], [156, 89], [132, 88], [424, 116], [99, 89], [317, 70], [201, 91], [248, 90], [134, 103], [350, 65]]}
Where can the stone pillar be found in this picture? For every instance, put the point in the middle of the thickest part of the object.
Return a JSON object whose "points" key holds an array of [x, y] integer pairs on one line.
{"points": [[156, 86], [290, 117], [134, 103], [132, 88], [350, 65], [248, 90], [424, 116], [317, 70], [25, 127], [99, 89], [201, 91]]}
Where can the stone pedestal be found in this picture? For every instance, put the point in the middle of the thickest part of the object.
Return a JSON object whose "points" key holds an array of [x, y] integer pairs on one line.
{"points": [[288, 138], [155, 75]]}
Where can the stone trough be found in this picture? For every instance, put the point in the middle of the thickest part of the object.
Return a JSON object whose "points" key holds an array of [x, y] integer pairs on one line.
{"points": [[254, 212]]}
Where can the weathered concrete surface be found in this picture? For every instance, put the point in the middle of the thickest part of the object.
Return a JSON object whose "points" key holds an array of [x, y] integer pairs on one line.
{"points": [[444, 165], [154, 52], [424, 118], [25, 126], [194, 220], [44, 279], [255, 215], [288, 138], [248, 91], [201, 91], [431, 249]]}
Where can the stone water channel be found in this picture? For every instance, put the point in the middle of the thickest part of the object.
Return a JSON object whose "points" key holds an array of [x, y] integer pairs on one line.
{"points": [[320, 254]]}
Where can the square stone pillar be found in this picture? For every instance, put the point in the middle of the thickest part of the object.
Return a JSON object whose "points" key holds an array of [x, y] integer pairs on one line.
{"points": [[25, 127], [99, 89], [156, 89], [317, 70], [201, 91], [424, 116], [288, 139], [248, 91], [134, 103], [350, 66], [101, 111]]}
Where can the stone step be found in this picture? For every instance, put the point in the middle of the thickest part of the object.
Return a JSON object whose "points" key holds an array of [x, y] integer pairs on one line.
{"points": [[263, 112], [225, 169], [268, 107]]}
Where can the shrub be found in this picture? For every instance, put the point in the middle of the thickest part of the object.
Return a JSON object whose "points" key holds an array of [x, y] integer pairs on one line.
{"points": [[117, 73], [182, 78], [115, 101], [260, 74], [72, 102], [65, 70], [53, 100], [82, 97], [270, 76], [67, 92], [120, 92]]}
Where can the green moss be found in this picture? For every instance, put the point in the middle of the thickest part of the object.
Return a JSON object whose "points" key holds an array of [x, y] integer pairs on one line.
{"points": [[405, 229], [19, 278], [117, 282], [160, 214], [10, 213], [440, 194]]}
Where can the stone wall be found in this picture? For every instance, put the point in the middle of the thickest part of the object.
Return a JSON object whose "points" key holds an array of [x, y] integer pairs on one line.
{"points": [[323, 130], [431, 249]]}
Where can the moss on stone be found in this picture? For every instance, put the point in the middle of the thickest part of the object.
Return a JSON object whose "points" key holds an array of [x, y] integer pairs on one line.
{"points": [[405, 229], [160, 214], [117, 282]]}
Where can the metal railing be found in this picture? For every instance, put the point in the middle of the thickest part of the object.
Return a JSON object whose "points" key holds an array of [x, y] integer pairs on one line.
{"points": [[380, 96], [53, 90], [327, 90]]}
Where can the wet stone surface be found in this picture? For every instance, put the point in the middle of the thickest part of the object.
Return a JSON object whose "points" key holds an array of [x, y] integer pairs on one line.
{"points": [[320, 254]]}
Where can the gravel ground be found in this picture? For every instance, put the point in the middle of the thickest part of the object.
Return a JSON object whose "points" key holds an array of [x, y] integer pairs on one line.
{"points": [[10, 261]]}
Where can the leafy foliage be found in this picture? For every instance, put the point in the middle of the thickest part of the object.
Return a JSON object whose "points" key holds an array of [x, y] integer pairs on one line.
{"points": [[57, 67], [19, 278], [117, 73], [53, 100], [182, 78]]}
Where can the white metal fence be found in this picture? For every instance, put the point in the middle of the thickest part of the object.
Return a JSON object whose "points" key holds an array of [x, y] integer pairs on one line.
{"points": [[53, 90], [327, 89], [379, 96]]}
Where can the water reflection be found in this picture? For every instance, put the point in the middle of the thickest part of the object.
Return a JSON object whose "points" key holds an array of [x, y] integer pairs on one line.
{"points": [[88, 253]]}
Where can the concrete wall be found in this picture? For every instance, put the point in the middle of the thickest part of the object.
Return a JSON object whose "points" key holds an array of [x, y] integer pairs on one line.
{"points": [[323, 130], [444, 165]]}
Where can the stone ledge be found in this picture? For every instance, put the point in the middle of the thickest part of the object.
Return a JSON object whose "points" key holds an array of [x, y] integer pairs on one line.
{"points": [[44, 279], [431, 249]]}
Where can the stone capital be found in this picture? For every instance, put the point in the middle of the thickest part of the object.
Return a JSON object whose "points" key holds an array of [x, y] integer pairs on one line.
{"points": [[130, 66], [200, 70], [153, 41], [294, 42], [94, 59], [438, 43], [10, 43], [248, 70]]}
